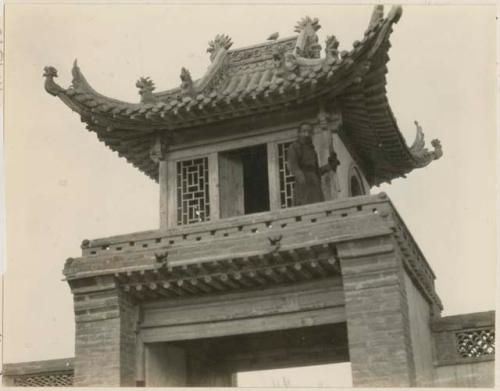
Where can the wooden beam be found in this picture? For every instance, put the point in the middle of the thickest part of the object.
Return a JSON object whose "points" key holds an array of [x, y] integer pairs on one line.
{"points": [[252, 275], [273, 276], [213, 283], [159, 289], [238, 276], [224, 279], [170, 287], [200, 285], [317, 268], [301, 271], [285, 270], [186, 286]]}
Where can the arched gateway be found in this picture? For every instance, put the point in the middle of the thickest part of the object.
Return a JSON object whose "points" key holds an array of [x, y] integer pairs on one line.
{"points": [[237, 278]]}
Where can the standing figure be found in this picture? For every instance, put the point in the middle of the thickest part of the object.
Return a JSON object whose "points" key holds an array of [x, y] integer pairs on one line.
{"points": [[303, 164]]}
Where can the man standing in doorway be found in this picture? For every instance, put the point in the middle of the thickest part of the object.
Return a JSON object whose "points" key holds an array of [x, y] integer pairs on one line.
{"points": [[303, 165]]}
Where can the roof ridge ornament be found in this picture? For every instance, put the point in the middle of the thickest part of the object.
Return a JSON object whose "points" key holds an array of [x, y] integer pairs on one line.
{"points": [[332, 48], [187, 85], [146, 87], [418, 150], [76, 73], [54, 89], [377, 16], [307, 45], [220, 42], [285, 62]]}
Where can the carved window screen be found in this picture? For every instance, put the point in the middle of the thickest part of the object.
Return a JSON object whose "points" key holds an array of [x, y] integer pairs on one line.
{"points": [[193, 201], [476, 343], [287, 181], [44, 380]]}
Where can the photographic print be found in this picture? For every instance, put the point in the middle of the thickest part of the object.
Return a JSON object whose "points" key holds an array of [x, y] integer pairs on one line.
{"points": [[249, 195]]}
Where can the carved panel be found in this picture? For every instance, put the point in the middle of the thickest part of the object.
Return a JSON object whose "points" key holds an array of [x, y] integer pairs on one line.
{"points": [[476, 343], [260, 52], [287, 181], [193, 201]]}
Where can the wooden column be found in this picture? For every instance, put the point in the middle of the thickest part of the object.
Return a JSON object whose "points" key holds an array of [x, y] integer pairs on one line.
{"points": [[163, 181], [171, 191], [273, 176], [157, 153], [213, 177]]}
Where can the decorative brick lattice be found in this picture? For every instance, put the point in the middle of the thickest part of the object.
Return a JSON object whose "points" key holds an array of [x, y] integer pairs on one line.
{"points": [[287, 181], [193, 202], [45, 380], [476, 343]]}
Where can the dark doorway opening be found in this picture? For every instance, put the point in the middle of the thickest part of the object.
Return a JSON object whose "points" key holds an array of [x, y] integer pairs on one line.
{"points": [[243, 181]]}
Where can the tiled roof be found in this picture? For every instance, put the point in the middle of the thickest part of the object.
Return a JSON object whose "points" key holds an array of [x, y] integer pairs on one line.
{"points": [[257, 79]]}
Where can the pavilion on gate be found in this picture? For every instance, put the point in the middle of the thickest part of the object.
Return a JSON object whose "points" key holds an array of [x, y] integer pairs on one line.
{"points": [[237, 277]]}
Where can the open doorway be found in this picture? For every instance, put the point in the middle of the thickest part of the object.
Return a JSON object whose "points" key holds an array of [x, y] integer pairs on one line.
{"points": [[311, 356], [243, 181]]}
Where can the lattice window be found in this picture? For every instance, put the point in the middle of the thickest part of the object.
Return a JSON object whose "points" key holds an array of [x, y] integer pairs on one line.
{"points": [[45, 380], [287, 181], [193, 202], [476, 343]]}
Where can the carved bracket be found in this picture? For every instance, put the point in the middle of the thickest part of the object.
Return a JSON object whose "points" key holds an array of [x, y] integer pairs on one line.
{"points": [[158, 150], [275, 242]]}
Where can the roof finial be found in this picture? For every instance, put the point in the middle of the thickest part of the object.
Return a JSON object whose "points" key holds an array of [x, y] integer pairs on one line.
{"points": [[146, 87], [220, 42], [377, 16], [187, 86], [76, 73], [50, 85], [305, 23], [332, 48], [420, 153], [273, 36], [307, 45]]}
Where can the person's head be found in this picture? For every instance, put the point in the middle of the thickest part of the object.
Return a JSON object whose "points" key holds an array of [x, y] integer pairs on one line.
{"points": [[305, 132]]}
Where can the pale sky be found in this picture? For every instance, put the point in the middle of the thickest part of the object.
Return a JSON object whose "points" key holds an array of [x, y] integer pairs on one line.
{"points": [[63, 185]]}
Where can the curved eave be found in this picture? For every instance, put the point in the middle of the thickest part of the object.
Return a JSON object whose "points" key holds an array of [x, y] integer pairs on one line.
{"points": [[370, 125], [357, 79]]}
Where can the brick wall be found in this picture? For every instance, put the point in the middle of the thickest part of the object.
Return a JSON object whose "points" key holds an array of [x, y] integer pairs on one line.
{"points": [[377, 314], [105, 334], [465, 350]]}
